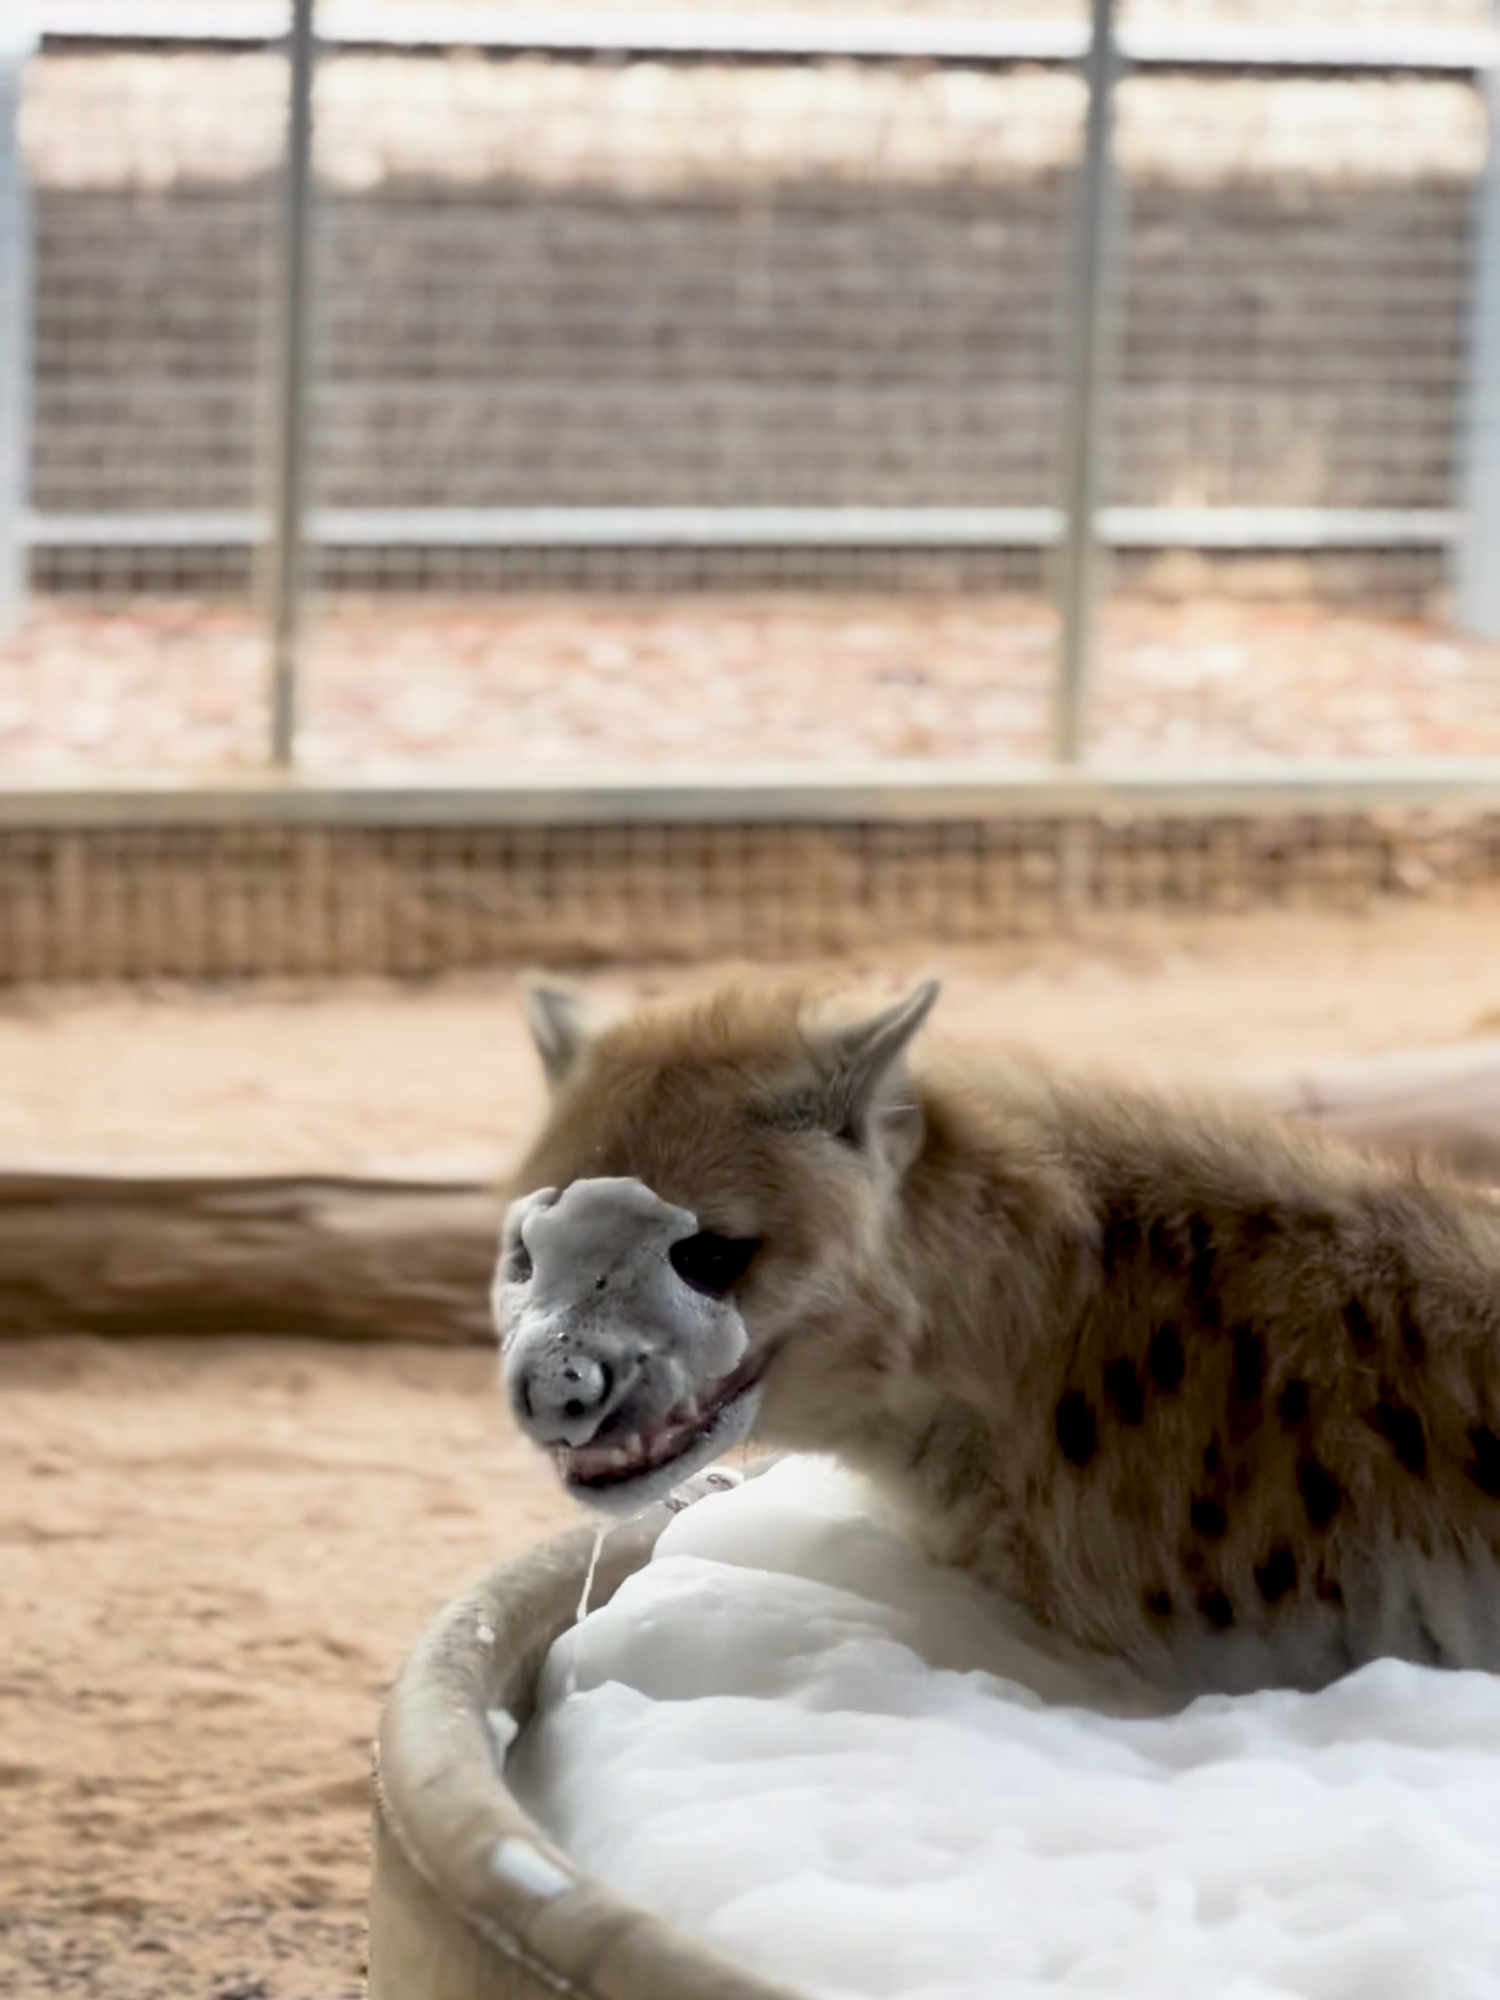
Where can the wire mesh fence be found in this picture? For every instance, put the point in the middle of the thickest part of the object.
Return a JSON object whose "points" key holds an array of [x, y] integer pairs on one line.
{"points": [[776, 304], [217, 901], [154, 215]]}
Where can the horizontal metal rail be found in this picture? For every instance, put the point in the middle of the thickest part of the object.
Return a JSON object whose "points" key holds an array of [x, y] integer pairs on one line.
{"points": [[1230, 528], [680, 35], [805, 795]]}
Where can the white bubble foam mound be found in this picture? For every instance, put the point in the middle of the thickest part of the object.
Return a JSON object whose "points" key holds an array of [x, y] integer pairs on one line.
{"points": [[791, 1737]]}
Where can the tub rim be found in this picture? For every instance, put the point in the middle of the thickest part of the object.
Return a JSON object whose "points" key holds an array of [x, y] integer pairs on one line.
{"points": [[442, 1802]]}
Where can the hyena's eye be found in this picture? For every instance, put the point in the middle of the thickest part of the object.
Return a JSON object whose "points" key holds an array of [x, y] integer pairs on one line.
{"points": [[713, 1264], [518, 1266]]}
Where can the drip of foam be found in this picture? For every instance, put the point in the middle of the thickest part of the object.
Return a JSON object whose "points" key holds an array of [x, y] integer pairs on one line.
{"points": [[588, 1576], [583, 1605]]}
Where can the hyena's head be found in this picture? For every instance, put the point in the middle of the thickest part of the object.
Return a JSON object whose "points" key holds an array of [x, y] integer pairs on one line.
{"points": [[709, 1177]]}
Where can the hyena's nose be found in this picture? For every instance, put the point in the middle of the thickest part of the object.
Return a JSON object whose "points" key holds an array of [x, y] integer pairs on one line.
{"points": [[566, 1394]]}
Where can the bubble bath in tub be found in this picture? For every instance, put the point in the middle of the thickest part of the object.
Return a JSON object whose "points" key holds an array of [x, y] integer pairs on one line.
{"points": [[792, 1737]]}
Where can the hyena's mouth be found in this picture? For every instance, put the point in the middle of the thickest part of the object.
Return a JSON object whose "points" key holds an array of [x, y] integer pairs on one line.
{"points": [[691, 1435]]}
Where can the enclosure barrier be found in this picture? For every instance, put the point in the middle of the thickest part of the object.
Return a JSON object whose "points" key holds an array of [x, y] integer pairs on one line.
{"points": [[15, 293], [283, 875], [1078, 528], [215, 884]]}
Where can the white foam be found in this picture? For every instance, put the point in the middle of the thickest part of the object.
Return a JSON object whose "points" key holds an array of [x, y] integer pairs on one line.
{"points": [[504, 1730], [793, 1738]]}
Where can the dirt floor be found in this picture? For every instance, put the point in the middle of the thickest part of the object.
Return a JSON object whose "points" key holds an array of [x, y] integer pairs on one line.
{"points": [[213, 1555], [533, 683], [211, 1561]]}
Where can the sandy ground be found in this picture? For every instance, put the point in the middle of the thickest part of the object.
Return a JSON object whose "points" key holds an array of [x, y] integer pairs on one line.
{"points": [[438, 1075], [213, 1556], [527, 684], [211, 1561]]}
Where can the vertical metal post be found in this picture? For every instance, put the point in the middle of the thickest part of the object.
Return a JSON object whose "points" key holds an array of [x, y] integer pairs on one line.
{"points": [[294, 340], [1084, 435], [15, 330], [1477, 563]]}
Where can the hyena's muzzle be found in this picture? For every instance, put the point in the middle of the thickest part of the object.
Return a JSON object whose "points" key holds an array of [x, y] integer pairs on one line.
{"points": [[624, 1351]]}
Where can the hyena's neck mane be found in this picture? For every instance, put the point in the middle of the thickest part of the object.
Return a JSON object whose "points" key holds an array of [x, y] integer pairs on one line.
{"points": [[989, 1250]]}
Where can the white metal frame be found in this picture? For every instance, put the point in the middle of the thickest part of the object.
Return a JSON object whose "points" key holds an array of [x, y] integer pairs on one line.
{"points": [[1477, 569], [762, 527], [16, 44], [869, 794]]}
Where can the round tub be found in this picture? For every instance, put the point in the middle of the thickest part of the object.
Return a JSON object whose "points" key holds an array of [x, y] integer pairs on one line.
{"points": [[469, 1900]]}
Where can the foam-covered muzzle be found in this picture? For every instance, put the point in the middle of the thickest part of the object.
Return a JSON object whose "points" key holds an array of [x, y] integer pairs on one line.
{"points": [[602, 1336]]}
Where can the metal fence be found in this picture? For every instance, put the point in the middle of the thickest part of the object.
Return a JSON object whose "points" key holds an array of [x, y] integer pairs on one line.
{"points": [[712, 296]]}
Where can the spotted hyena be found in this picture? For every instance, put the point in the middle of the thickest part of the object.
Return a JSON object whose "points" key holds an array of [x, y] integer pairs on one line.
{"points": [[1193, 1388]]}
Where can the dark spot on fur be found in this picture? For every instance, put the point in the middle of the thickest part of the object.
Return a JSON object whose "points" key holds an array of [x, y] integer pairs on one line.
{"points": [[1245, 1387], [1216, 1607], [1213, 1458], [1249, 1363], [1123, 1387], [1412, 1337], [922, 1447], [1359, 1326], [1484, 1467], [1165, 1358], [1208, 1517], [1158, 1603], [1320, 1492], [1328, 1588], [1402, 1430], [1291, 1406], [1203, 1266], [1077, 1428], [1120, 1238], [1161, 1240], [1277, 1574], [1258, 1226]]}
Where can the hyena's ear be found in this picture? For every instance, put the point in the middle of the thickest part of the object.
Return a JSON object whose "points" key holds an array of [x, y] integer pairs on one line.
{"points": [[868, 1102], [559, 1024]]}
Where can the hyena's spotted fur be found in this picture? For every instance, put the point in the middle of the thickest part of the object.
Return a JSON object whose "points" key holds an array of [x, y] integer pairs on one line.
{"points": [[1192, 1387]]}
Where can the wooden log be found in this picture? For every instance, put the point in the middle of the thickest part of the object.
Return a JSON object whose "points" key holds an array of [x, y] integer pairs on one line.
{"points": [[356, 1258], [346, 1258], [1441, 1105]]}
